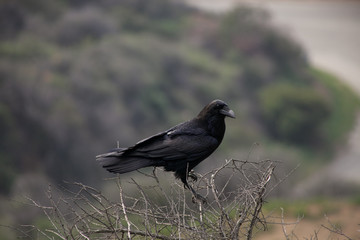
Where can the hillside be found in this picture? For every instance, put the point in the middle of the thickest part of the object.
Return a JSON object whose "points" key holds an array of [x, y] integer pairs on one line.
{"points": [[78, 76]]}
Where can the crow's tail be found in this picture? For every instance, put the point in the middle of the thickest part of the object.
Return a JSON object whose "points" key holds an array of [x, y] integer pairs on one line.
{"points": [[116, 162]]}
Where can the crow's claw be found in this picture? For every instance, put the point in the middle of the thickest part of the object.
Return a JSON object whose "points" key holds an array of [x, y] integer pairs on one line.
{"points": [[193, 176]]}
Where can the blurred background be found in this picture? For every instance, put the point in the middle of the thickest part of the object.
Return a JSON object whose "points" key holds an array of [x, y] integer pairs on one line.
{"points": [[76, 77]]}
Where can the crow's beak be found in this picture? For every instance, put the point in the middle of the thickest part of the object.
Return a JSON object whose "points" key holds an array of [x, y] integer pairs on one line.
{"points": [[227, 112]]}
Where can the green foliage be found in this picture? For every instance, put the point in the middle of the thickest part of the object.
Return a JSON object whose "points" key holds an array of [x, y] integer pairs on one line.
{"points": [[27, 48], [355, 200], [41, 8], [292, 113], [245, 37], [162, 17], [345, 105], [309, 208], [239, 31], [84, 24]]}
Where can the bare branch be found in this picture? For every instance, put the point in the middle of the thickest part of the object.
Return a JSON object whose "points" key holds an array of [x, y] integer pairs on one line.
{"points": [[124, 209], [334, 229]]}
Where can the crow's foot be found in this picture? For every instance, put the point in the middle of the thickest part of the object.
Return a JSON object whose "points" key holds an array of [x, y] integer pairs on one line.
{"points": [[193, 175]]}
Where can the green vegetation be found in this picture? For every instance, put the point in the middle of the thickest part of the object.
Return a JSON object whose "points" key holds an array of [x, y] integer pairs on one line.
{"points": [[329, 218], [356, 200], [307, 209], [293, 113], [344, 103]]}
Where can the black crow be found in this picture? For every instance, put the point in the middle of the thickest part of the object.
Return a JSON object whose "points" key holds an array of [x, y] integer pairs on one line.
{"points": [[178, 149]]}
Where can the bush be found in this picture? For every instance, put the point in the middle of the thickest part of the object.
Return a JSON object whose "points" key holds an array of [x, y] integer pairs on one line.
{"points": [[83, 24], [293, 113]]}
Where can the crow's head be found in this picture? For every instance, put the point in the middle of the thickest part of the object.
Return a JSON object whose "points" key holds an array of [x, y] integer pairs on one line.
{"points": [[216, 108]]}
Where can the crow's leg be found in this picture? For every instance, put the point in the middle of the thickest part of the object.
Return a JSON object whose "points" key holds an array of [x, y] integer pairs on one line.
{"points": [[196, 196]]}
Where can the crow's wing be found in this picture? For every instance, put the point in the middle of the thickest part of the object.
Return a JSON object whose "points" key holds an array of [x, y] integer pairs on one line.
{"points": [[174, 149], [115, 162], [175, 144]]}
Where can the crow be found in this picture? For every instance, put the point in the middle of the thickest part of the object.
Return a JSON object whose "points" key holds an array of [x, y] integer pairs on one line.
{"points": [[178, 149]]}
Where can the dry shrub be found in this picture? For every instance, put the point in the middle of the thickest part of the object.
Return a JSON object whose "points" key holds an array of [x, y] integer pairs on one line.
{"points": [[235, 194]]}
